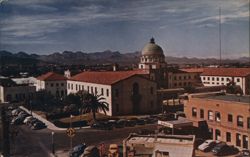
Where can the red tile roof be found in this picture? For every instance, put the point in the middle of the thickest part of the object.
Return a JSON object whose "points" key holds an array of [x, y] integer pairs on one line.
{"points": [[106, 77], [193, 70], [51, 76], [236, 72]]}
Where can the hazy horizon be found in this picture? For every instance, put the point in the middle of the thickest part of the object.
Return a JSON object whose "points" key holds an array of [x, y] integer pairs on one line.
{"points": [[183, 28]]}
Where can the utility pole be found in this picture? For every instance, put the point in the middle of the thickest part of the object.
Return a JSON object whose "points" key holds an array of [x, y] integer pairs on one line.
{"points": [[220, 33], [5, 133]]}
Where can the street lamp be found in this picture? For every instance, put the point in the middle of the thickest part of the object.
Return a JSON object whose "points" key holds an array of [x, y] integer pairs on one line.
{"points": [[52, 142]]}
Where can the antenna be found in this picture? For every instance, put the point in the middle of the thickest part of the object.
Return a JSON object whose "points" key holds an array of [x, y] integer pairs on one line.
{"points": [[220, 32]]}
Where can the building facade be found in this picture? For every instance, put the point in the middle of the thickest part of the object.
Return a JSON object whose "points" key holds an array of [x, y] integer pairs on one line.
{"points": [[53, 83], [126, 92], [224, 76], [227, 116], [12, 92], [159, 145]]}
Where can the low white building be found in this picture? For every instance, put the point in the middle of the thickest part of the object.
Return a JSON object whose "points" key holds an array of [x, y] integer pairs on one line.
{"points": [[53, 83], [12, 92], [159, 145], [223, 76], [126, 92]]}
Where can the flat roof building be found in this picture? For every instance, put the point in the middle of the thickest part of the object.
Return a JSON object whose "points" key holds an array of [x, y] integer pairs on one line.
{"points": [[227, 116], [159, 145]]}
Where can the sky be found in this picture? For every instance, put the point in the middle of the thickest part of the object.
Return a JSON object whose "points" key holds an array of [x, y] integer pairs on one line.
{"points": [[187, 28]]}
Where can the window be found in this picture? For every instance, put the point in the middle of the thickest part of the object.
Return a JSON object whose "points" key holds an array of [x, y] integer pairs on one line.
{"points": [[68, 86], [72, 86], [184, 77], [101, 91], [230, 118], [175, 78], [95, 90], [217, 134], [222, 79], [152, 90], [218, 78], [179, 77], [82, 87], [212, 78], [238, 140], [210, 115], [88, 89], [180, 84], [240, 121], [228, 136], [201, 113], [217, 117], [76, 87], [92, 90], [248, 122], [204, 78], [107, 92], [51, 85], [116, 93], [228, 79], [208, 78], [57, 84], [62, 84], [194, 112], [245, 142], [238, 80], [79, 87]]}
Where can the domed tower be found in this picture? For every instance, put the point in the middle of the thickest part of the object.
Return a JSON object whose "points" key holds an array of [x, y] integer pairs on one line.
{"points": [[152, 56]]}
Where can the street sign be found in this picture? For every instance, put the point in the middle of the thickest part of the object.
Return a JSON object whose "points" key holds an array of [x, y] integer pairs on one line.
{"points": [[71, 132]]}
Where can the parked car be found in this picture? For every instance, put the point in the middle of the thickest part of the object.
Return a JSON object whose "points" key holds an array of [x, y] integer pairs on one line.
{"points": [[77, 150], [15, 112], [140, 122], [220, 148], [130, 123], [91, 151], [197, 142], [113, 150], [16, 121], [244, 153], [27, 119], [38, 125], [120, 123], [207, 145]]}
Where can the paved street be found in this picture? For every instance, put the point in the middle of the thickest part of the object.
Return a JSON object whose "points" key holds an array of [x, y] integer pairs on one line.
{"points": [[38, 143]]}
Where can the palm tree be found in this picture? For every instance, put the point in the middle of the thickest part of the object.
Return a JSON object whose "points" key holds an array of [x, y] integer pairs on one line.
{"points": [[93, 103]]}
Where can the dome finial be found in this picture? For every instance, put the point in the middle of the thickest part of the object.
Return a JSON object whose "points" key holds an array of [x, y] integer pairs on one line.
{"points": [[152, 40]]}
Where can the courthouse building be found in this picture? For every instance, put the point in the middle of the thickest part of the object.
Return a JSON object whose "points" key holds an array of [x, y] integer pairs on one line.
{"points": [[227, 116]]}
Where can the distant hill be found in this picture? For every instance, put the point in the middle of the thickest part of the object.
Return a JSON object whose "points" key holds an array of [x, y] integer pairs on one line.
{"points": [[83, 58]]}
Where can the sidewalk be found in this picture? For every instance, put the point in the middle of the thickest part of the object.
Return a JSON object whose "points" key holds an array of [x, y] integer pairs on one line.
{"points": [[50, 125]]}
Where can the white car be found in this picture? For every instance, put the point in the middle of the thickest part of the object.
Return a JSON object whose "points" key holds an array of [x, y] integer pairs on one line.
{"points": [[207, 145], [27, 119]]}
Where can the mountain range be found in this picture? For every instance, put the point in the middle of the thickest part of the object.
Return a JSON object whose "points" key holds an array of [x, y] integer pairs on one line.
{"points": [[82, 58]]}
